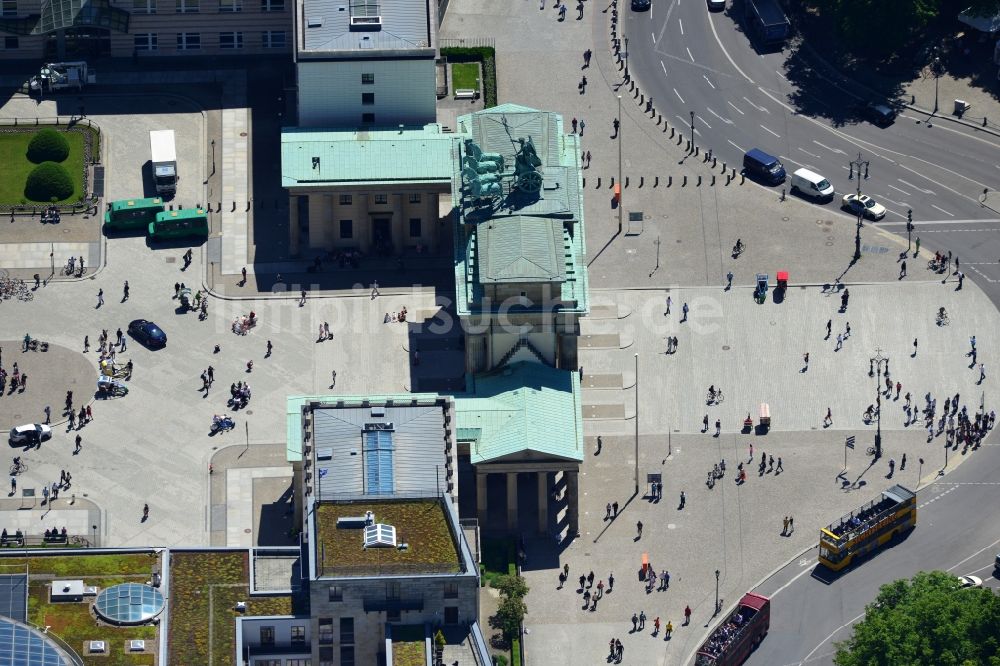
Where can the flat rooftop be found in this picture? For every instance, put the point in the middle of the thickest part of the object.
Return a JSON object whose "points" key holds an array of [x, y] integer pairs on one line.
{"points": [[421, 523], [365, 26]]}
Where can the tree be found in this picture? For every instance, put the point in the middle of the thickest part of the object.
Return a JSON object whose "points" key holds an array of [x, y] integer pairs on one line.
{"points": [[48, 182], [510, 615], [987, 8], [48, 145], [880, 28], [512, 586], [926, 620]]}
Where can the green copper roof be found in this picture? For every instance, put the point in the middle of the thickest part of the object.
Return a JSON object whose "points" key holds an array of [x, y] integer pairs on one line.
{"points": [[321, 158], [521, 249], [523, 410]]}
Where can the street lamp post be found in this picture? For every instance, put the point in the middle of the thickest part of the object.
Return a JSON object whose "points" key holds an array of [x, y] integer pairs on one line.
{"points": [[626, 52], [857, 164], [637, 424], [621, 190], [937, 75], [94, 542], [692, 131], [878, 360], [909, 228], [716, 592]]}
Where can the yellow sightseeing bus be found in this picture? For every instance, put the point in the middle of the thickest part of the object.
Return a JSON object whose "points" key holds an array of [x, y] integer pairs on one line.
{"points": [[866, 529]]}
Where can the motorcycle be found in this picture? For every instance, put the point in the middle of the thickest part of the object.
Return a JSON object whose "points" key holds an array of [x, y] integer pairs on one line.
{"points": [[221, 424]]}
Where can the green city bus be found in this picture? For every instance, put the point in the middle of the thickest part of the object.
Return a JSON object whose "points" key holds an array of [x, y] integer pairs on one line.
{"points": [[179, 224], [130, 214], [868, 528]]}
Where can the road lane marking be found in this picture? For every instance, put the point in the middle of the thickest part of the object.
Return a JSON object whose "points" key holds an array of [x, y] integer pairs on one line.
{"points": [[703, 120], [808, 153], [678, 94], [973, 555], [899, 190], [736, 107], [832, 150], [795, 578], [680, 22], [919, 189], [832, 634], [942, 210], [725, 120], [735, 146], [664, 68], [689, 54], [759, 108], [715, 33], [771, 131], [686, 123], [708, 81], [653, 35], [781, 75]]}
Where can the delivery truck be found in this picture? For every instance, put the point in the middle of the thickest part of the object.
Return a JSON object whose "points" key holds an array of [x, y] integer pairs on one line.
{"points": [[164, 157]]}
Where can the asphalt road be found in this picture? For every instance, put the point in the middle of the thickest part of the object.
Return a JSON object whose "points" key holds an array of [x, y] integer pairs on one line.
{"points": [[689, 59], [956, 532]]}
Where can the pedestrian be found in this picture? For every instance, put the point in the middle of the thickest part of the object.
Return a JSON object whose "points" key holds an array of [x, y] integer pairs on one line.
{"points": [[718, 427], [90, 414], [840, 342], [917, 251], [243, 272], [24, 381], [588, 159], [86, 344], [607, 512], [13, 484], [45, 494], [100, 297], [847, 334], [48, 414], [784, 527], [829, 326], [211, 375], [914, 347], [375, 289], [828, 419], [600, 589], [611, 648], [805, 360], [729, 280], [79, 444], [972, 344], [69, 480], [614, 509], [642, 620], [791, 524], [177, 289], [574, 122], [619, 650], [72, 419], [635, 622], [638, 527], [616, 125], [320, 338], [590, 580], [892, 466], [666, 579], [684, 309], [250, 365], [902, 463], [687, 615], [656, 625], [62, 477], [124, 345], [326, 330], [145, 512], [125, 292], [982, 373], [583, 582], [582, 123], [611, 581], [770, 463], [778, 467], [269, 348], [586, 57], [669, 301], [902, 270], [83, 416], [957, 264]]}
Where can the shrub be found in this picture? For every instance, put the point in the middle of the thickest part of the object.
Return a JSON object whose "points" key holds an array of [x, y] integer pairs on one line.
{"points": [[482, 54], [48, 145], [48, 182], [500, 659]]}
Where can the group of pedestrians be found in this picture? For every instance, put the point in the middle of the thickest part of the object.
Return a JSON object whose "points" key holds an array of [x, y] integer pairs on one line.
{"points": [[18, 381]]}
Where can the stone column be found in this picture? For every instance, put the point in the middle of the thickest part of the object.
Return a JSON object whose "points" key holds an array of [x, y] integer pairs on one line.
{"points": [[573, 501], [399, 224], [543, 502], [293, 224], [512, 501], [481, 479]]}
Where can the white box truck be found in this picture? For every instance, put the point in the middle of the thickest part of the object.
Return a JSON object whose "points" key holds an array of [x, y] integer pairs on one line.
{"points": [[164, 154]]}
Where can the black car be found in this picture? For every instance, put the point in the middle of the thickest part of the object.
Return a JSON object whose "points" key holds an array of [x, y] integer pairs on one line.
{"points": [[641, 5], [147, 333], [882, 115]]}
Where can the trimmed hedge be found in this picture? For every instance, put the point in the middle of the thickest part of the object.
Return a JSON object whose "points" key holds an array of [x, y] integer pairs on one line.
{"points": [[48, 145], [484, 55], [48, 182]]}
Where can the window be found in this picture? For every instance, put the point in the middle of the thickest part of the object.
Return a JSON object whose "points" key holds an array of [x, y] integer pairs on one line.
{"points": [[367, 79], [145, 41], [143, 6], [301, 662], [298, 633], [267, 635], [415, 197], [393, 615], [367, 98], [9, 8], [346, 655], [451, 590], [10, 43], [336, 591], [347, 630], [188, 41], [326, 656], [267, 662], [346, 231], [325, 632], [230, 5], [272, 5], [392, 590], [367, 118], [414, 227], [231, 40], [382, 199], [273, 39], [451, 614], [345, 200], [188, 6]]}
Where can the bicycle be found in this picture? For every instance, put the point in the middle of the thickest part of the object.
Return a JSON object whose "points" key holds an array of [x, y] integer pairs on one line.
{"points": [[942, 319], [714, 398], [78, 540], [870, 450], [18, 468], [739, 248]]}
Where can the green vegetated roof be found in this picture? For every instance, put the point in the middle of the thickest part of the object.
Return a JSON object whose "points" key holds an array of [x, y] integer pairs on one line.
{"points": [[522, 410], [420, 523], [205, 587], [412, 155]]}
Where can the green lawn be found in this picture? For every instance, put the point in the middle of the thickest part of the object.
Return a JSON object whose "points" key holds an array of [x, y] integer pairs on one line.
{"points": [[465, 76], [15, 167]]}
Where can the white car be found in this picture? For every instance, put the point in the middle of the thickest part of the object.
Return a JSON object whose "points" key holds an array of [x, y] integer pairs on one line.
{"points": [[868, 206], [716, 5], [30, 433], [970, 581]]}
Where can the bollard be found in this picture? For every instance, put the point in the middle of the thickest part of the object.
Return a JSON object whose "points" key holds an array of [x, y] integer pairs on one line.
{"points": [[699, 180], [621, 63], [219, 205], [696, 149], [670, 181], [984, 121], [626, 181], [704, 158], [598, 186], [688, 149], [673, 130], [249, 203], [723, 167], [612, 185], [715, 162], [656, 181], [734, 172], [636, 94], [659, 118], [728, 178], [234, 208], [743, 178], [713, 179], [643, 99], [680, 139], [685, 181], [584, 182]]}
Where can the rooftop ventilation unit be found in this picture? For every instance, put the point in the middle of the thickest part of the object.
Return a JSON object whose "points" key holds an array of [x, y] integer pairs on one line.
{"points": [[314, 22], [136, 645], [366, 21], [378, 411], [380, 535], [90, 591], [99, 647]]}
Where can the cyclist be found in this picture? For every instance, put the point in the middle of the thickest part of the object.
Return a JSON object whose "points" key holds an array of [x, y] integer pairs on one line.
{"points": [[711, 392], [942, 313], [17, 463], [739, 247]]}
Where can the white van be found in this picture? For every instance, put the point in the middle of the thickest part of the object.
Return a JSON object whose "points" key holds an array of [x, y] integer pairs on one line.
{"points": [[812, 185]]}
